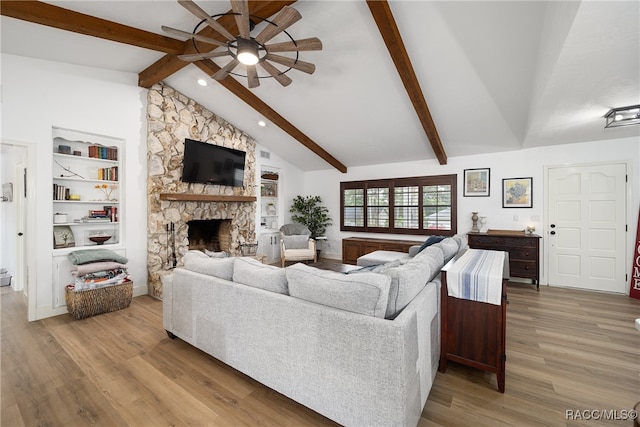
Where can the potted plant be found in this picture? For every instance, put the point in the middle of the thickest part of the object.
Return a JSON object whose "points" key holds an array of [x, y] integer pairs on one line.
{"points": [[310, 212]]}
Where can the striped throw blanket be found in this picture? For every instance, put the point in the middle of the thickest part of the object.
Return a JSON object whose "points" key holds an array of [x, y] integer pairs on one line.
{"points": [[477, 276]]}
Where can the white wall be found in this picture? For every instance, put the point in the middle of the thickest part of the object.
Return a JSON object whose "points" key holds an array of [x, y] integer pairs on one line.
{"points": [[37, 95], [512, 164]]}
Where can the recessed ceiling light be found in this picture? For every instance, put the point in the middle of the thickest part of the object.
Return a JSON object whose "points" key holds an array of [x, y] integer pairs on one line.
{"points": [[202, 82], [262, 123]]}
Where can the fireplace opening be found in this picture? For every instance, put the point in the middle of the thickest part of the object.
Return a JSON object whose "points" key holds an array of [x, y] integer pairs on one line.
{"points": [[210, 234]]}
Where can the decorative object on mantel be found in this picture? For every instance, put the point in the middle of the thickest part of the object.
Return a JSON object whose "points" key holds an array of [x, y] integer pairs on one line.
{"points": [[474, 225], [531, 229], [506, 232]]}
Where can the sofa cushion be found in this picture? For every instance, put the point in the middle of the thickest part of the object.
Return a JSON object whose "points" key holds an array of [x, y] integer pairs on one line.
{"points": [[201, 263], [449, 247], [407, 280], [365, 293], [251, 272], [299, 241], [380, 257], [433, 257]]}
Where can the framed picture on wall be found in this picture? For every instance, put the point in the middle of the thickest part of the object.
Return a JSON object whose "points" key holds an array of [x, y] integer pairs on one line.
{"points": [[476, 182], [517, 193]]}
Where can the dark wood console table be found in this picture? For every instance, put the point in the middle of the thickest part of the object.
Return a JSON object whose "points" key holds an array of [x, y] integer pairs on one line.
{"points": [[355, 247], [473, 333], [524, 252]]}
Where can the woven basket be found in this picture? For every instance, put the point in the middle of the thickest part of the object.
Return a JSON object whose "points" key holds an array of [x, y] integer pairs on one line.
{"points": [[82, 304]]}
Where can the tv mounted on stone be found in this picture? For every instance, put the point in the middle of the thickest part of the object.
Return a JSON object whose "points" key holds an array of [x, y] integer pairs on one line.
{"points": [[212, 164]]}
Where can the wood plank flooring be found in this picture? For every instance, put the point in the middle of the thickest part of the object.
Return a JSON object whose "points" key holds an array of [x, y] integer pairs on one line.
{"points": [[566, 350]]}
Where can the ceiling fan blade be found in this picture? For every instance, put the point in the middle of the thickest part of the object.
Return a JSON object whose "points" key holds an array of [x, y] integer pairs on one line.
{"points": [[180, 33], [198, 12], [252, 76], [241, 8], [224, 71], [283, 20], [306, 67], [275, 73], [312, 43], [198, 56]]}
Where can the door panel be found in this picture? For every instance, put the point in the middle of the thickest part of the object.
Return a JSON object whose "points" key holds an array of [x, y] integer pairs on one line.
{"points": [[586, 233]]}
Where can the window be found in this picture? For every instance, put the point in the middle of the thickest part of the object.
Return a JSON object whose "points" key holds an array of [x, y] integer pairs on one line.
{"points": [[420, 205]]}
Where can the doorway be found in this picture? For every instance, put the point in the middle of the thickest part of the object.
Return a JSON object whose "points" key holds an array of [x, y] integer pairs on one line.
{"points": [[586, 226], [18, 228]]}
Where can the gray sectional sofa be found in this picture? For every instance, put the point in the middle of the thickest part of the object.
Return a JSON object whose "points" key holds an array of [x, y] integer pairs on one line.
{"points": [[361, 349]]}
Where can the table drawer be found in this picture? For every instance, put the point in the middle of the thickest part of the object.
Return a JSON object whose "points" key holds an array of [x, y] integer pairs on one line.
{"points": [[523, 254], [526, 269]]}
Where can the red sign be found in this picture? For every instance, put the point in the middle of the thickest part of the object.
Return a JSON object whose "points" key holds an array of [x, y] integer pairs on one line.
{"points": [[634, 291]]}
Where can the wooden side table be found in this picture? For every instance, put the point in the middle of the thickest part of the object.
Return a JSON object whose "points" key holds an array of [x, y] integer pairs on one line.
{"points": [[473, 333]]}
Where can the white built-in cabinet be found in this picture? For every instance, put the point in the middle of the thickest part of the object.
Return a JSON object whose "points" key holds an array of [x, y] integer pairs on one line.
{"points": [[269, 246], [269, 235], [87, 182]]}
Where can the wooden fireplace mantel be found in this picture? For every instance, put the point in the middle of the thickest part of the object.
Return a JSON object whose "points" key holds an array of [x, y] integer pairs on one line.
{"points": [[185, 197]]}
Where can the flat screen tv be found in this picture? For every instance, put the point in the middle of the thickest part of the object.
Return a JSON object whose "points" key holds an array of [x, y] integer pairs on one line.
{"points": [[212, 164]]}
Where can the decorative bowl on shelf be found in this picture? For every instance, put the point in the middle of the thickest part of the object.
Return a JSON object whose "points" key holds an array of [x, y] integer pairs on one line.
{"points": [[99, 239]]}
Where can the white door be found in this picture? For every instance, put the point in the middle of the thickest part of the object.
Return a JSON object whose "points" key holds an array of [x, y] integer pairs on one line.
{"points": [[587, 226]]}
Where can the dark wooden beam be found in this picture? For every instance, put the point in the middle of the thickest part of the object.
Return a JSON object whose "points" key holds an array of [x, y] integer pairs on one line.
{"points": [[65, 19], [389, 30], [170, 64], [260, 106]]}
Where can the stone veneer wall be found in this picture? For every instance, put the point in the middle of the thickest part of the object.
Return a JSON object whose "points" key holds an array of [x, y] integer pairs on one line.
{"points": [[172, 117]]}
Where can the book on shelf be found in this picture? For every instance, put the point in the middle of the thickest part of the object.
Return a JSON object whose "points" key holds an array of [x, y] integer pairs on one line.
{"points": [[60, 192], [102, 152]]}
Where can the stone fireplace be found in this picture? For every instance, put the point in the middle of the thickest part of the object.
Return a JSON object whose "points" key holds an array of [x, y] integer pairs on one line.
{"points": [[171, 118]]}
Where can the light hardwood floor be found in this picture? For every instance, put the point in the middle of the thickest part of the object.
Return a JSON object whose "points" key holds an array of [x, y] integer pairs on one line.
{"points": [[566, 350]]}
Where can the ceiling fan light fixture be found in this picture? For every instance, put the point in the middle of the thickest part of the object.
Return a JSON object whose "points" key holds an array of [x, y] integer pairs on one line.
{"points": [[247, 52], [623, 116]]}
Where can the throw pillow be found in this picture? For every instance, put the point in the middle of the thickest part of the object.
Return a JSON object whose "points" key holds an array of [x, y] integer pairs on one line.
{"points": [[251, 272], [218, 267], [430, 241], [365, 293], [296, 242], [406, 282]]}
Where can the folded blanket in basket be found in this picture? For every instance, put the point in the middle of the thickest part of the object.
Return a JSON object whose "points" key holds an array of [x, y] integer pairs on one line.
{"points": [[100, 279], [86, 256], [79, 270]]}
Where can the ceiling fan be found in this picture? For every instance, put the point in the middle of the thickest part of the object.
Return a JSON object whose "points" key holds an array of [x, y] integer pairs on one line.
{"points": [[247, 50]]}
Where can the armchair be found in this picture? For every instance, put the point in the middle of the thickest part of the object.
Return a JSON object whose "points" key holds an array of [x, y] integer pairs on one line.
{"points": [[296, 243]]}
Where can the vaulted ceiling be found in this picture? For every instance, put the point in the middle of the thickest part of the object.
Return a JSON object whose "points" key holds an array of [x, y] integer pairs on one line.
{"points": [[396, 81]]}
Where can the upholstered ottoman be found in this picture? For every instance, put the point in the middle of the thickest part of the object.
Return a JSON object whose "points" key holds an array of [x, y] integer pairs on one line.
{"points": [[380, 257]]}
